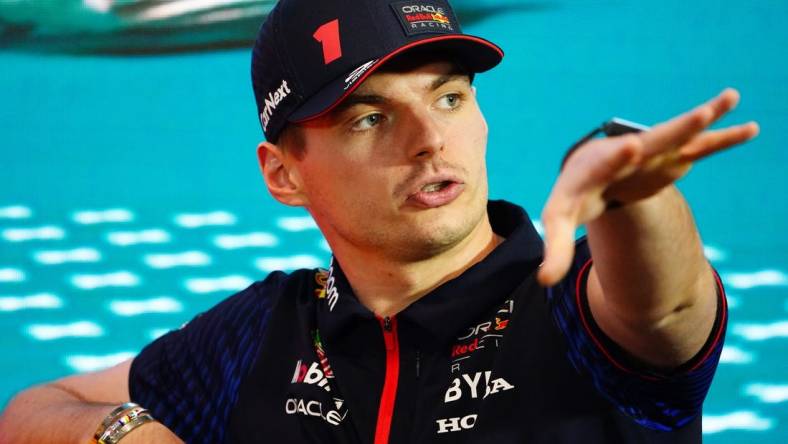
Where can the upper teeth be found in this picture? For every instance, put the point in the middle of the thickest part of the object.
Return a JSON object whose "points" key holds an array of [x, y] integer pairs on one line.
{"points": [[432, 187]]}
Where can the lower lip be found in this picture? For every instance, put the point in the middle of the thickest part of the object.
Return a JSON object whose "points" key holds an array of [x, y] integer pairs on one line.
{"points": [[436, 199]]}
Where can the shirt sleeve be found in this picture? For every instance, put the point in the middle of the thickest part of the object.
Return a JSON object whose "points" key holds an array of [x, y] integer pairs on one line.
{"points": [[660, 400], [188, 379]]}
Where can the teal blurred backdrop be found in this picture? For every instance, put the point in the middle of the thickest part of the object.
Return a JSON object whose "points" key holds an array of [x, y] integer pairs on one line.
{"points": [[130, 197]]}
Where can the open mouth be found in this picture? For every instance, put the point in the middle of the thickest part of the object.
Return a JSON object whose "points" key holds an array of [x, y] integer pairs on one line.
{"points": [[434, 187], [436, 194]]}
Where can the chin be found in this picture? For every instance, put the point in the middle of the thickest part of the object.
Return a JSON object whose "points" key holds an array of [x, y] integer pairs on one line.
{"points": [[435, 238]]}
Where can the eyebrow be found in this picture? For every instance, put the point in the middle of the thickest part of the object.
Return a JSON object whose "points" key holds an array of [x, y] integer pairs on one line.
{"points": [[375, 99], [359, 99], [444, 79]]}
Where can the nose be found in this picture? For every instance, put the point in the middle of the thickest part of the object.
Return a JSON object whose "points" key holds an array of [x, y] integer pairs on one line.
{"points": [[426, 135]]}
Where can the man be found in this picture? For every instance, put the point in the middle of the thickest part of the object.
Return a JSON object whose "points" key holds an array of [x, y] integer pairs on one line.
{"points": [[443, 317]]}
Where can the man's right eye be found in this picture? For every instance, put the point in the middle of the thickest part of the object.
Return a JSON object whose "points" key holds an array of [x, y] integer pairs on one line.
{"points": [[367, 122]]}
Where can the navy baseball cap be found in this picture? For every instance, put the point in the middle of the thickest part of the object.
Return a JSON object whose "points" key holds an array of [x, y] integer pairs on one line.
{"points": [[311, 54]]}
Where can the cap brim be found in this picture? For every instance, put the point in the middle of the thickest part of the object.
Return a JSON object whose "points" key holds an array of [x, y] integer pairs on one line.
{"points": [[477, 55]]}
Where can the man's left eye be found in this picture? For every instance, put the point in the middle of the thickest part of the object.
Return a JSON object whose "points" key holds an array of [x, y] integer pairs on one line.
{"points": [[449, 101]]}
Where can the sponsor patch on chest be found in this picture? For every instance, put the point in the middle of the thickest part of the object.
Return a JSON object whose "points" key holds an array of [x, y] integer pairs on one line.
{"points": [[488, 333]]}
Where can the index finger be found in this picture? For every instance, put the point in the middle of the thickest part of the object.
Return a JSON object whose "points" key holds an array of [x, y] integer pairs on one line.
{"points": [[679, 130]]}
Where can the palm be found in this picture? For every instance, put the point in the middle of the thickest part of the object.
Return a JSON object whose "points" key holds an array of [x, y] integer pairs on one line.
{"points": [[630, 168]]}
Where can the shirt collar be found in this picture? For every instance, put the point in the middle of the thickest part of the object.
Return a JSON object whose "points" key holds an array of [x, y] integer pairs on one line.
{"points": [[456, 304]]}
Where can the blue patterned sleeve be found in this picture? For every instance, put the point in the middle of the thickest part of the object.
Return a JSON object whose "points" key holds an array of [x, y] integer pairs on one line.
{"points": [[660, 400], [189, 378]]}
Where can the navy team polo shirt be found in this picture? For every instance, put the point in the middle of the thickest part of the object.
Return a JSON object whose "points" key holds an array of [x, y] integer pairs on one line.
{"points": [[487, 357]]}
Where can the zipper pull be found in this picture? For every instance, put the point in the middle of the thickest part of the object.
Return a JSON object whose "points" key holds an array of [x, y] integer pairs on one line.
{"points": [[389, 333], [418, 363]]}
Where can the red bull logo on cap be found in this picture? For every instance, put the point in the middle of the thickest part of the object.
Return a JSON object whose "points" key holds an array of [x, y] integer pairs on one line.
{"points": [[441, 18], [423, 17]]}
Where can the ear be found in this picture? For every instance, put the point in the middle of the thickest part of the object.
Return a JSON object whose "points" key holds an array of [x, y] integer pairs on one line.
{"points": [[473, 88], [281, 178]]}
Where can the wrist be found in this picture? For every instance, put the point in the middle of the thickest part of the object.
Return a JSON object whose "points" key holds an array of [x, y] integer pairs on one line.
{"points": [[152, 432], [120, 422]]}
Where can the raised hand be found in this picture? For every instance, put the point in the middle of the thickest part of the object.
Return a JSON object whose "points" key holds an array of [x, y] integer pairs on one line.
{"points": [[629, 168]]}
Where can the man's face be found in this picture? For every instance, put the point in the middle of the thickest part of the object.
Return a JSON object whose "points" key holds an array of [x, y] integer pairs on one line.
{"points": [[399, 168]]}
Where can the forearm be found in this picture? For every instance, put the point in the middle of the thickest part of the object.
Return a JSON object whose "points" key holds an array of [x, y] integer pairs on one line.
{"points": [[651, 288], [50, 414]]}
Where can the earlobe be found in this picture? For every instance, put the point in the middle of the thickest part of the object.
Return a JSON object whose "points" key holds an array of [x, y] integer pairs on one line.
{"points": [[280, 177]]}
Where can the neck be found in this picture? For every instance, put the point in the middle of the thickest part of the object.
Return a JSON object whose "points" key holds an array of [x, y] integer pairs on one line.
{"points": [[387, 286]]}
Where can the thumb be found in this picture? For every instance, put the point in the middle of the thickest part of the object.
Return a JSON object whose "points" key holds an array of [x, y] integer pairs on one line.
{"points": [[559, 250]]}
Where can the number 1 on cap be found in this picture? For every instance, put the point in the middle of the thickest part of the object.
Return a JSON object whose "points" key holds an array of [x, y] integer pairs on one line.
{"points": [[328, 35]]}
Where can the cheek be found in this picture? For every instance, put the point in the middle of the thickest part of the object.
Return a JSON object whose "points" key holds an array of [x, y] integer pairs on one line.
{"points": [[344, 183], [471, 134]]}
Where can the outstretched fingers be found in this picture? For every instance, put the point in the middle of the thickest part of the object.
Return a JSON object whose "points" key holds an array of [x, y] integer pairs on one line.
{"points": [[681, 129], [645, 162], [711, 142]]}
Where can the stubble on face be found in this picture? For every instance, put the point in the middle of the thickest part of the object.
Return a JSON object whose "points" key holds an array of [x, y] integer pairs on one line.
{"points": [[358, 187]]}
